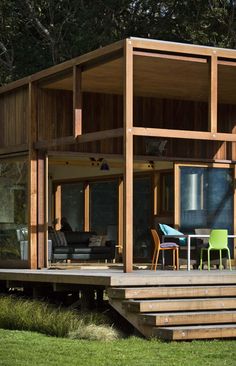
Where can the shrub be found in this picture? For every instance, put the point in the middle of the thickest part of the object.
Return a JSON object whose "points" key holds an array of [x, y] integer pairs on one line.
{"points": [[32, 315]]}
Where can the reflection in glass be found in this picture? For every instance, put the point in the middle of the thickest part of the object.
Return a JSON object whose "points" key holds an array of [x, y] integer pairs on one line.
{"points": [[72, 203], [13, 209], [142, 218], [103, 208], [206, 198]]}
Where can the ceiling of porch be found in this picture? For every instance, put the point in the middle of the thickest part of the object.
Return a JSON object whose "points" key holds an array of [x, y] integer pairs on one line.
{"points": [[160, 77]]}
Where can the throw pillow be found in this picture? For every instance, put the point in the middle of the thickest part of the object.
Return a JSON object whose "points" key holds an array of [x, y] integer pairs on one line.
{"points": [[58, 238], [168, 230], [95, 241]]}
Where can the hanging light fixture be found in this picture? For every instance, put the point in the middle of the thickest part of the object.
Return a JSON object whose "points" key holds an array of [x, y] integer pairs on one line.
{"points": [[104, 165]]}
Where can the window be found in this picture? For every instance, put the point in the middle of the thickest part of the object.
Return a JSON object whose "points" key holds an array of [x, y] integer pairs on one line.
{"points": [[142, 217], [206, 198], [72, 204], [13, 213], [103, 208]]}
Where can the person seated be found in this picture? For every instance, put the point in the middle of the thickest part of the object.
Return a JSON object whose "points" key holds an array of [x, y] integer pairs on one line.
{"points": [[65, 226]]}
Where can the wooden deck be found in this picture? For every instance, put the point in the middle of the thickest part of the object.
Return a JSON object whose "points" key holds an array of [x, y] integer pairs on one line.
{"points": [[116, 277], [171, 305]]}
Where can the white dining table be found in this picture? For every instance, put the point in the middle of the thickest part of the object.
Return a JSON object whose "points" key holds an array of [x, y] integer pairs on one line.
{"points": [[189, 237]]}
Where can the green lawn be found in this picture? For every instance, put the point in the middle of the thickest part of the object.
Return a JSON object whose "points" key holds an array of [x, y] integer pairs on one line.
{"points": [[27, 348]]}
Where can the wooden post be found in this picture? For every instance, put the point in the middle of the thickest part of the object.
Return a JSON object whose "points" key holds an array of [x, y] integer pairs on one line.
{"points": [[41, 209], [57, 207], [177, 195], [77, 101], [86, 207], [128, 156], [32, 185], [213, 90], [120, 216]]}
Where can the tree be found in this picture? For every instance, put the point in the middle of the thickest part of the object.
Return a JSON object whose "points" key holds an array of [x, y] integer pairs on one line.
{"points": [[35, 34]]}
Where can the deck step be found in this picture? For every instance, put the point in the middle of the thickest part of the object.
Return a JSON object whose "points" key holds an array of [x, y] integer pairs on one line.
{"points": [[171, 292], [179, 304], [196, 332], [185, 318]]}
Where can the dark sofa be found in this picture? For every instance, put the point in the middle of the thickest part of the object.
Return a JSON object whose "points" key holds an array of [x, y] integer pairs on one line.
{"points": [[78, 247]]}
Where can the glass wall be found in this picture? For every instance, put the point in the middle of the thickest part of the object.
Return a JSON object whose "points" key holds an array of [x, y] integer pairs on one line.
{"points": [[142, 217], [206, 198], [13, 209], [72, 204], [104, 208]]}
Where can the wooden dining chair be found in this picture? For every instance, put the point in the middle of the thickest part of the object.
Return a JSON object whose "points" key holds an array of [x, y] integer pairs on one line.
{"points": [[158, 246]]}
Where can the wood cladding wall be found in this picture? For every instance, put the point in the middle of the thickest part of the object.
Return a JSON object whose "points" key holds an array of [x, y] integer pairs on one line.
{"points": [[55, 114], [14, 117], [103, 111]]}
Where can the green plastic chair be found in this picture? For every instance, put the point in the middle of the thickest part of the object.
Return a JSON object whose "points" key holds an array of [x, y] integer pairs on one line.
{"points": [[218, 241]]}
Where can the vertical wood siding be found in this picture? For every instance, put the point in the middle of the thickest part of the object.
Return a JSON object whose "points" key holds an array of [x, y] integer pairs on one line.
{"points": [[14, 116]]}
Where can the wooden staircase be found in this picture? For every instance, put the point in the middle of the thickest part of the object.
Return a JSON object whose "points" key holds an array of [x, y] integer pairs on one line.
{"points": [[178, 312]]}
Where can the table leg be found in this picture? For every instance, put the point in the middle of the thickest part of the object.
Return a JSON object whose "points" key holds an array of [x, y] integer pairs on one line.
{"points": [[188, 254]]}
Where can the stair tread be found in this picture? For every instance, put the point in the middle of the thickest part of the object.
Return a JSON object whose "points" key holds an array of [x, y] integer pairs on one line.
{"points": [[213, 299], [180, 291], [198, 327], [190, 313]]}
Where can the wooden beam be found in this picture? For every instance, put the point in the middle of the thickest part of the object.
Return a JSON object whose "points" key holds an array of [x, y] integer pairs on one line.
{"points": [[14, 149], [68, 140], [15, 85], [100, 135], [86, 207], [183, 134], [77, 101], [182, 48], [87, 137], [169, 56], [213, 94], [128, 156], [32, 186], [99, 53]]}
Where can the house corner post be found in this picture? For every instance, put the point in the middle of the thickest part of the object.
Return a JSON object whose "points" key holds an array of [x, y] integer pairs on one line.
{"points": [[128, 156]]}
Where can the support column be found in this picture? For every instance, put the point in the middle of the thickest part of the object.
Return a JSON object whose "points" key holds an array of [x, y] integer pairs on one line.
{"points": [[42, 210], [77, 101], [128, 157], [213, 91], [32, 185]]}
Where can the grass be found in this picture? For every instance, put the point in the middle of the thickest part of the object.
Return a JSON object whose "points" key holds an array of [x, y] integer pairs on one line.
{"points": [[21, 348], [22, 314]]}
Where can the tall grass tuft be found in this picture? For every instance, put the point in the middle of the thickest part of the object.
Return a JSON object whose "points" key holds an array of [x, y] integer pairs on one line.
{"points": [[32, 315]]}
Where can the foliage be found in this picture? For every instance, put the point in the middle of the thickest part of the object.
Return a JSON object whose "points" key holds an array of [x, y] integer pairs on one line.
{"points": [[35, 34], [40, 317], [31, 349]]}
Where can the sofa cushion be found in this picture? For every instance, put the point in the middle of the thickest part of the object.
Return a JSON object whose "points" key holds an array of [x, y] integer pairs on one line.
{"points": [[95, 249], [95, 241], [78, 237], [58, 238]]}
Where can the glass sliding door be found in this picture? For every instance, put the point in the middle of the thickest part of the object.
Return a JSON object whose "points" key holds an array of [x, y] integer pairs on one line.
{"points": [[72, 204], [104, 208], [14, 209], [206, 198], [142, 217]]}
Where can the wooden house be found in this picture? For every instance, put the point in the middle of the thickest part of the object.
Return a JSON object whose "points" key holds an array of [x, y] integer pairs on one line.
{"points": [[160, 116], [138, 132]]}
